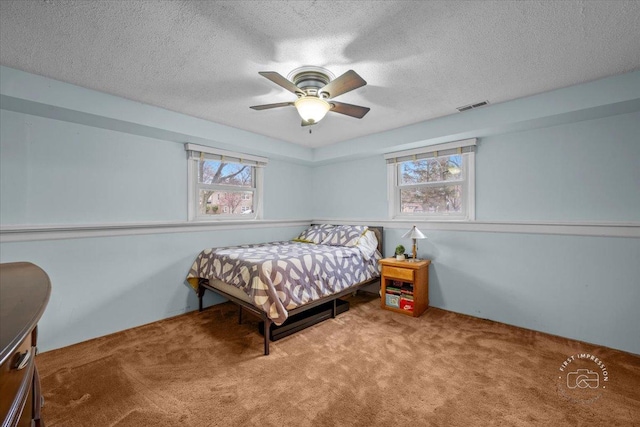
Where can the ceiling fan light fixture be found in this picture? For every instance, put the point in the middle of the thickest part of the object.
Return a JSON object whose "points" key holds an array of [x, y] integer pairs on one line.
{"points": [[315, 88], [312, 109]]}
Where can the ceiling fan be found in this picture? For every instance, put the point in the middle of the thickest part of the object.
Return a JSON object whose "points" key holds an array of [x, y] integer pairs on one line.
{"points": [[315, 88]]}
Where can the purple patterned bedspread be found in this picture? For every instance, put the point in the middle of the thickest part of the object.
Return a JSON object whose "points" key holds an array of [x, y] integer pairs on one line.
{"points": [[281, 276]]}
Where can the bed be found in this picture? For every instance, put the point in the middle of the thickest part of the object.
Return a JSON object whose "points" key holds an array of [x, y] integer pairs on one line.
{"points": [[277, 280]]}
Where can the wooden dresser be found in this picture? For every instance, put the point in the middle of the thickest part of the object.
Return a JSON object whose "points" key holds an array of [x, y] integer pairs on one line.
{"points": [[24, 293]]}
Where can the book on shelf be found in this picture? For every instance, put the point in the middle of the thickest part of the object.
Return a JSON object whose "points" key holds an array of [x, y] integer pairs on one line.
{"points": [[392, 300], [394, 287], [406, 304]]}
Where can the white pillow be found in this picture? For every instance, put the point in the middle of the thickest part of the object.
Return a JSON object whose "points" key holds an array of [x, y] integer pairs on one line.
{"points": [[314, 234], [345, 235], [368, 244]]}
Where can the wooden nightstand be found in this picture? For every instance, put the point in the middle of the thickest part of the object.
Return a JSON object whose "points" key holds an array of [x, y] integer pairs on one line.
{"points": [[404, 286]]}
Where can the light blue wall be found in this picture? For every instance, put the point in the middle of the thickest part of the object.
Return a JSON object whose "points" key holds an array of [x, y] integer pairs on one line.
{"points": [[107, 284], [351, 189], [69, 156], [68, 168], [55, 172], [32, 94], [584, 171], [59, 173], [582, 287], [286, 189]]}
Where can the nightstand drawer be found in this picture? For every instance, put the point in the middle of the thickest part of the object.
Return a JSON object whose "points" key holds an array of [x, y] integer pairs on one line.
{"points": [[397, 273]]}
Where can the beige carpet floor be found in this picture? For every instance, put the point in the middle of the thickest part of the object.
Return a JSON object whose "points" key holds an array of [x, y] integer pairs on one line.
{"points": [[367, 367]]}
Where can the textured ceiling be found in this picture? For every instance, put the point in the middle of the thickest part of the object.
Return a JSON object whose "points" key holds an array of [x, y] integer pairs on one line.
{"points": [[421, 59]]}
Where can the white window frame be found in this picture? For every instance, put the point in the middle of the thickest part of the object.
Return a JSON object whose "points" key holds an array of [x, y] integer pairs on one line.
{"points": [[466, 148], [200, 152]]}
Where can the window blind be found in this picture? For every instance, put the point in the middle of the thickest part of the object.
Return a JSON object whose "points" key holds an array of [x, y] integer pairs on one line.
{"points": [[446, 149], [203, 152]]}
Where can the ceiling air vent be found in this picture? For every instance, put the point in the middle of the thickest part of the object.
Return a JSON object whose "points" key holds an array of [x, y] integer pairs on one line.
{"points": [[472, 106]]}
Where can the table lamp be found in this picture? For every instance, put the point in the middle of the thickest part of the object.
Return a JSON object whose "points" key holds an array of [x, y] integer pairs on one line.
{"points": [[414, 234]]}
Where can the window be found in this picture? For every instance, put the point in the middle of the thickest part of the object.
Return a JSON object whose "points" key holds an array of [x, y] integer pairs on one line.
{"points": [[224, 185], [435, 182]]}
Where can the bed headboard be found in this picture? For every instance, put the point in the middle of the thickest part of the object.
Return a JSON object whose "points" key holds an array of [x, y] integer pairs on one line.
{"points": [[379, 235]]}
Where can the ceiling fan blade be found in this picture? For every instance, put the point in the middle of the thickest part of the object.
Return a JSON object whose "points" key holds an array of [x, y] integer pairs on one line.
{"points": [[343, 84], [281, 81], [267, 106], [349, 109]]}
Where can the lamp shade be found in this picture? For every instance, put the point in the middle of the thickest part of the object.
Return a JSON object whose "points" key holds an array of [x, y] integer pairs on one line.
{"points": [[414, 233], [312, 109]]}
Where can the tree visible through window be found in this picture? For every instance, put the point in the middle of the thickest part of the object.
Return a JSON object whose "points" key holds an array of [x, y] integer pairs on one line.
{"points": [[223, 184], [434, 182], [431, 185], [218, 183]]}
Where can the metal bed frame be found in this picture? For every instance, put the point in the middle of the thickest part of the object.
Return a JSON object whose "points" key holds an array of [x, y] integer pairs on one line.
{"points": [[203, 285]]}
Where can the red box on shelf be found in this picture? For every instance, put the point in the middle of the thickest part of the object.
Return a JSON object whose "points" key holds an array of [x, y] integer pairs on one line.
{"points": [[406, 304]]}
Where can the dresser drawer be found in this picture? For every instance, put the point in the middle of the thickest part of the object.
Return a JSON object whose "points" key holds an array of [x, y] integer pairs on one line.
{"points": [[16, 386], [25, 290], [397, 273]]}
